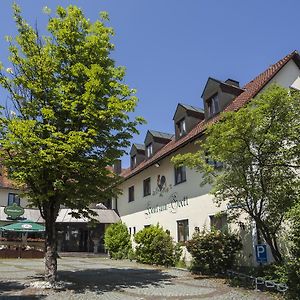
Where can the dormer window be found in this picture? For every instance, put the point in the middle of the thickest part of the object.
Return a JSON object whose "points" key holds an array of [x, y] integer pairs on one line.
{"points": [[137, 155], [186, 117], [149, 150], [181, 127], [213, 105], [133, 161]]}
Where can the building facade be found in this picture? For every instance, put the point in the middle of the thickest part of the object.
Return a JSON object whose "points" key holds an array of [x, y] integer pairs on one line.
{"points": [[154, 192], [74, 235]]}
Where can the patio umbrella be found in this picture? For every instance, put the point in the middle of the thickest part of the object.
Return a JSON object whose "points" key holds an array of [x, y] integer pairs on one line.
{"points": [[24, 226]]}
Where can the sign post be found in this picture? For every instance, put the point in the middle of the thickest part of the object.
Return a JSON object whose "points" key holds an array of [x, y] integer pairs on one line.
{"points": [[261, 254]]}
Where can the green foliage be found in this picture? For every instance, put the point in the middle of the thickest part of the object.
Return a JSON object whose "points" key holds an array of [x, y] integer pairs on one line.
{"points": [[117, 241], [155, 246], [72, 110], [213, 252], [71, 114], [259, 147], [289, 272]]}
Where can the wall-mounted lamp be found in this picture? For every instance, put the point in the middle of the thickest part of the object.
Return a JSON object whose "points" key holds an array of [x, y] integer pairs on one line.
{"points": [[157, 165]]}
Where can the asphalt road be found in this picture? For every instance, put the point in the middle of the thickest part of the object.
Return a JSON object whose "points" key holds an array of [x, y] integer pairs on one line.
{"points": [[102, 278]]}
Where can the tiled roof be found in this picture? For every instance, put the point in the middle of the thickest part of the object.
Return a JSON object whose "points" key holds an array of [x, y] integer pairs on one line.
{"points": [[159, 134], [192, 108], [251, 89], [139, 146], [4, 181]]}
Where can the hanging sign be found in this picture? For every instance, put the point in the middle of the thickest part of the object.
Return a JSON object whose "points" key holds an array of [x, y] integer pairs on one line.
{"points": [[14, 211]]}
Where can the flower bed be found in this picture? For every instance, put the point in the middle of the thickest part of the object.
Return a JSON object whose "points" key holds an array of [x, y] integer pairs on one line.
{"points": [[19, 253]]}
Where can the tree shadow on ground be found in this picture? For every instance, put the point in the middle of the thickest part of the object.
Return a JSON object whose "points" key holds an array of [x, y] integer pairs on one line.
{"points": [[9, 288], [113, 279]]}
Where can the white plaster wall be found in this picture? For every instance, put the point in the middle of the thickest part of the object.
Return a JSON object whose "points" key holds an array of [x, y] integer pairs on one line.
{"points": [[286, 76], [197, 208], [200, 203], [4, 197]]}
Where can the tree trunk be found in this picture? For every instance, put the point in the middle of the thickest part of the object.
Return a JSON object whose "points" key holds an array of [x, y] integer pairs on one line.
{"points": [[271, 240], [51, 244]]}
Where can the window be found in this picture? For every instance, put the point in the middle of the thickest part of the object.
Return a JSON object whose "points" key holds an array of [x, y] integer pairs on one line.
{"points": [[183, 230], [180, 175], [149, 150], [131, 194], [214, 163], [181, 127], [134, 230], [219, 222], [107, 203], [13, 198], [147, 187], [213, 105], [133, 161]]}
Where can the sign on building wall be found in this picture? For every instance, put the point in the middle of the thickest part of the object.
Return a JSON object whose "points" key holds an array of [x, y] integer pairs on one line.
{"points": [[162, 187], [173, 204]]}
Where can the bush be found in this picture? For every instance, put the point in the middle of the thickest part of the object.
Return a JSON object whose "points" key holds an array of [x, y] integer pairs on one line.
{"points": [[117, 241], [213, 252], [155, 246], [289, 271]]}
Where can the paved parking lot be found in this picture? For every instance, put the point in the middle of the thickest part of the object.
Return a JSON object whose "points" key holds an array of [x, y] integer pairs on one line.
{"points": [[101, 278]]}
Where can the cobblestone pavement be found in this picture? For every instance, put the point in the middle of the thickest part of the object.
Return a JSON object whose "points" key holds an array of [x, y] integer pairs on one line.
{"points": [[101, 278]]}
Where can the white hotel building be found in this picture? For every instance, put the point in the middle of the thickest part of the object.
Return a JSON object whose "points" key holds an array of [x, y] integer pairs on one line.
{"points": [[153, 191]]}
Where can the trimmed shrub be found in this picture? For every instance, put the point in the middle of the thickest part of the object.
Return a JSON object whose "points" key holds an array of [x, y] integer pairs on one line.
{"points": [[289, 271], [155, 246], [117, 241], [214, 251]]}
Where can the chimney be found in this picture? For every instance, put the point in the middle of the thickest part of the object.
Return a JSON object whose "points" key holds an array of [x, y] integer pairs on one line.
{"points": [[117, 166], [232, 82]]}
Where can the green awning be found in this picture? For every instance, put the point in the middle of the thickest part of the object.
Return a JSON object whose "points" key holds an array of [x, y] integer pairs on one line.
{"points": [[24, 226]]}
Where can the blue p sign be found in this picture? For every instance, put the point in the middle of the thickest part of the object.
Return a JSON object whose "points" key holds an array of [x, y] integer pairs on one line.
{"points": [[261, 253]]}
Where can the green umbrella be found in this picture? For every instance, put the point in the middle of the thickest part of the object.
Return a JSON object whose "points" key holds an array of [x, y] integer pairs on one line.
{"points": [[24, 226]]}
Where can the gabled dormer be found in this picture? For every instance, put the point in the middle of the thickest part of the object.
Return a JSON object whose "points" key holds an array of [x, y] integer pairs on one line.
{"points": [[218, 94], [185, 118], [155, 140], [137, 155]]}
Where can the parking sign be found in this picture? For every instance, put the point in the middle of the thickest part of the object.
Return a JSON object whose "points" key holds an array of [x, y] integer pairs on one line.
{"points": [[261, 253]]}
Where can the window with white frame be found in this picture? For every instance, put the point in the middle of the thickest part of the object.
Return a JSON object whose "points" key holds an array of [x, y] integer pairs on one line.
{"points": [[133, 161], [180, 174], [13, 198], [219, 222], [181, 126], [149, 150], [213, 105], [147, 187], [183, 230], [131, 194]]}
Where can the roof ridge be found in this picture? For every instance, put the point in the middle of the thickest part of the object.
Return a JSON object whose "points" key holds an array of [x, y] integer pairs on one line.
{"points": [[251, 89]]}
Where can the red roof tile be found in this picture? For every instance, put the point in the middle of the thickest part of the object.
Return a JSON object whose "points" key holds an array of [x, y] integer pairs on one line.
{"points": [[251, 89], [4, 181]]}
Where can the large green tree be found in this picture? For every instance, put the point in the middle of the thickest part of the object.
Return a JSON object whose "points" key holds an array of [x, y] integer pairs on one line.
{"points": [[259, 146], [70, 119]]}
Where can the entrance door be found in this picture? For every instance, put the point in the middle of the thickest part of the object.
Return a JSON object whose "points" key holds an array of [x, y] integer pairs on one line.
{"points": [[83, 240]]}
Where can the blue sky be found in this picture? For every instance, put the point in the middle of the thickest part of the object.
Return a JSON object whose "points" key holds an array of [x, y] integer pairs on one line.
{"points": [[171, 47]]}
